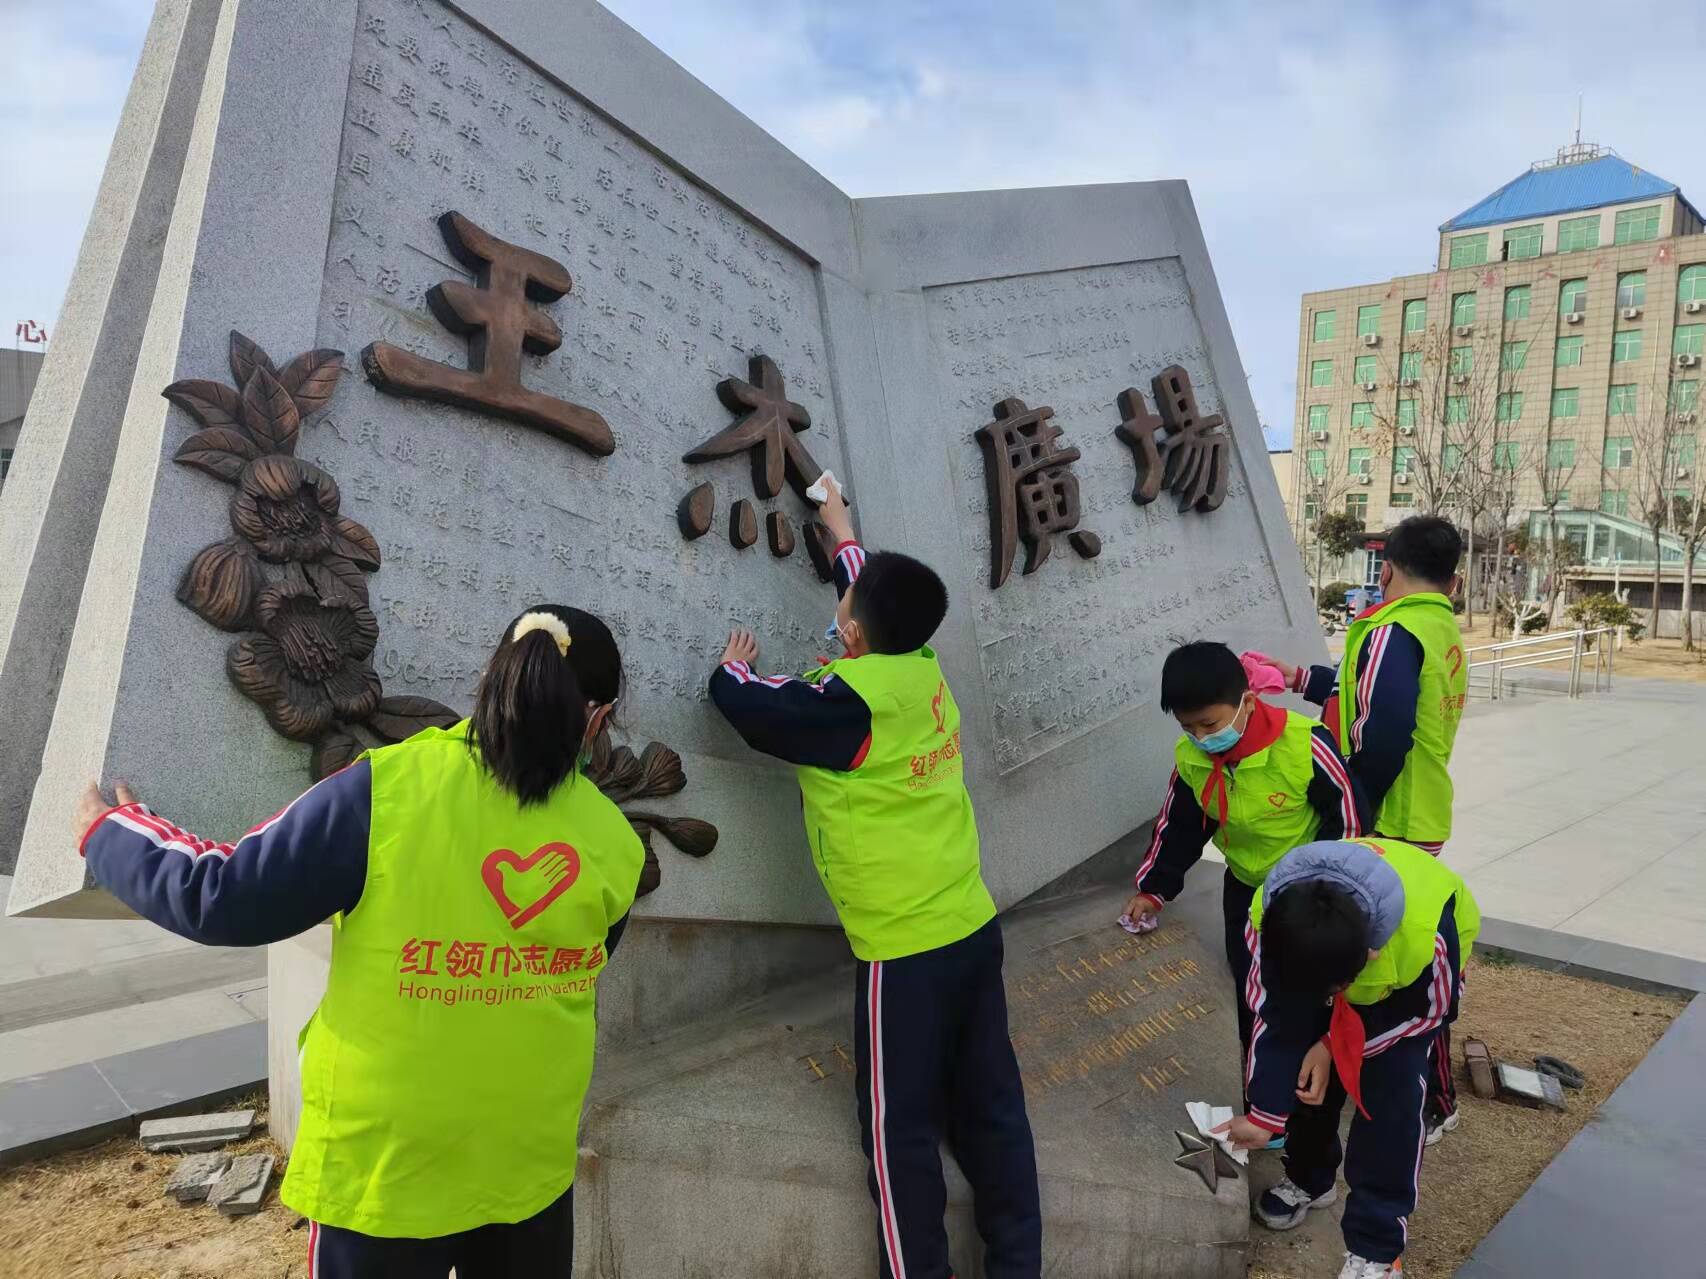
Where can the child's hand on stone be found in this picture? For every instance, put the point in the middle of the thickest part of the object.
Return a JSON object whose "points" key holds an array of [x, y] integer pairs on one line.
{"points": [[93, 806], [742, 647]]}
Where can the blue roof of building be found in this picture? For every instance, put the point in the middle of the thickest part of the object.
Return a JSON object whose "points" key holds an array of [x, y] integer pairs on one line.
{"points": [[1563, 188]]}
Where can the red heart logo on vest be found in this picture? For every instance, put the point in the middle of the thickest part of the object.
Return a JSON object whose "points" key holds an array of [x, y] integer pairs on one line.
{"points": [[544, 876], [1277, 799]]}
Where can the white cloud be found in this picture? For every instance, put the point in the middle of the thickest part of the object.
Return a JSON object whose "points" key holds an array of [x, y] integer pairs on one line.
{"points": [[835, 122]]}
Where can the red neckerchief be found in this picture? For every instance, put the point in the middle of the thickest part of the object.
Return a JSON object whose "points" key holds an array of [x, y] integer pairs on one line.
{"points": [[1346, 1038], [1263, 730]]}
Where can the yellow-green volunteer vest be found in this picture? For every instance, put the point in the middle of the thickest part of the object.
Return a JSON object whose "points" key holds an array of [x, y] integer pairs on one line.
{"points": [[1418, 806], [444, 1071], [1267, 798], [894, 839], [1428, 884]]}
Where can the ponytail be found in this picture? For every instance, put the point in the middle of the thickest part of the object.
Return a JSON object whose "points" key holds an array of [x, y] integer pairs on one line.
{"points": [[531, 713]]}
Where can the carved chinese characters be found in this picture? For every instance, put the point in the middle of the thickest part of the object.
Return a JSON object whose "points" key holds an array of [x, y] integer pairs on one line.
{"points": [[1032, 491], [495, 316], [1195, 446], [766, 428]]}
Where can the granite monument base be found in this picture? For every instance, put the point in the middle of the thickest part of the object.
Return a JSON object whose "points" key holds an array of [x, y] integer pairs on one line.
{"points": [[727, 1144]]}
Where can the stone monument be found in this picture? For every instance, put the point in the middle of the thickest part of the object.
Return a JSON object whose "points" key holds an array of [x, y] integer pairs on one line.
{"points": [[422, 311]]}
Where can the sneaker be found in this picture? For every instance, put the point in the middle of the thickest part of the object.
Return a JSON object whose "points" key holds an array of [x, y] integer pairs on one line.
{"points": [[1438, 1127], [1286, 1204], [1356, 1267]]}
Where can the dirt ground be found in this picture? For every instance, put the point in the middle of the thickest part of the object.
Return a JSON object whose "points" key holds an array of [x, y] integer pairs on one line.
{"points": [[100, 1214], [1476, 1173]]}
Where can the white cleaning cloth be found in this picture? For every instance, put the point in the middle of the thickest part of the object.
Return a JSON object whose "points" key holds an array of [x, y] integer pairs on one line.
{"points": [[819, 492], [1207, 1118]]}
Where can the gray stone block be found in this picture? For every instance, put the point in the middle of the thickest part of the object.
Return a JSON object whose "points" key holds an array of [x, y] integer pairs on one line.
{"points": [[243, 1186], [51, 507], [41, 1115], [194, 1132], [187, 1075], [195, 1176]]}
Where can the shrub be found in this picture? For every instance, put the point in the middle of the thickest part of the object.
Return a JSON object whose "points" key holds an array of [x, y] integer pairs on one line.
{"points": [[1333, 594], [1593, 611]]}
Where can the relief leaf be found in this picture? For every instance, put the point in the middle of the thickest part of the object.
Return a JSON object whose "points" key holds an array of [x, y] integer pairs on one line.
{"points": [[397, 719], [352, 541], [221, 585], [660, 773], [270, 413], [311, 378], [334, 576], [333, 753], [694, 837], [220, 451], [651, 874], [246, 357], [213, 404]]}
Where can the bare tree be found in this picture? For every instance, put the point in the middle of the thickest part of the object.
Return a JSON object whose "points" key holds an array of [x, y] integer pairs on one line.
{"points": [[1326, 490], [1554, 469], [1688, 522], [1656, 435], [1497, 478]]}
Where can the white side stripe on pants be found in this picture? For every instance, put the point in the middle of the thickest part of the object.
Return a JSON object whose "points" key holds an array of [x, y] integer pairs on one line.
{"points": [[879, 1139]]}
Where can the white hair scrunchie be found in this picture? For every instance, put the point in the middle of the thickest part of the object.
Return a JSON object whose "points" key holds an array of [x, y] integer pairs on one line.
{"points": [[550, 623]]}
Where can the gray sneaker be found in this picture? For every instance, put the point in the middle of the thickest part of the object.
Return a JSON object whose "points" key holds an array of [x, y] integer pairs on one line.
{"points": [[1438, 1127], [1361, 1268], [1286, 1204]]}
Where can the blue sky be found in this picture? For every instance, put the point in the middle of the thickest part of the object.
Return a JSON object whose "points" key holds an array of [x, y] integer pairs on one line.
{"points": [[1323, 142]]}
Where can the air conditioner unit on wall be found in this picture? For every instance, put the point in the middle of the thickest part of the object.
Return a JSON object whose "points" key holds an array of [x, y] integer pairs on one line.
{"points": [[1682, 472], [1631, 313], [1406, 430], [1687, 361], [1407, 381], [1686, 419], [1464, 330], [1371, 339], [1694, 308], [1370, 386], [1365, 478], [1320, 437], [1401, 477], [1574, 317], [1461, 379]]}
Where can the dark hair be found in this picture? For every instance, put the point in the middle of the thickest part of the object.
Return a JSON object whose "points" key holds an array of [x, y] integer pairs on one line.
{"points": [[1425, 547], [899, 602], [1202, 673], [530, 715], [1314, 939]]}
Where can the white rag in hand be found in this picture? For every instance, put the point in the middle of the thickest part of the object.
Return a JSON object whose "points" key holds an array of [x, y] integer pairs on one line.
{"points": [[819, 492], [1207, 1118]]}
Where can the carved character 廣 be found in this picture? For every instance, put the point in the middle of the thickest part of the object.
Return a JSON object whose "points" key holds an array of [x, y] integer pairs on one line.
{"points": [[1032, 493]]}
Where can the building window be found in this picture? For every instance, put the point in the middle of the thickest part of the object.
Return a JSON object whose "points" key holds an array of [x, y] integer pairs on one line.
{"points": [[1403, 460], [1402, 499], [1506, 454], [1632, 288], [1560, 453], [1690, 340], [1364, 370], [1317, 459], [1321, 373], [1324, 325], [1684, 395], [1362, 416], [1368, 320], [1407, 413], [5, 463], [1462, 361], [1680, 453], [1468, 250], [1361, 462], [1565, 402], [1635, 225], [1691, 284], [1625, 346], [1513, 357], [1410, 366], [1573, 297], [1522, 242], [1613, 502], [1620, 400], [1516, 302], [1318, 417], [1451, 458], [1357, 504], [1619, 452], [1578, 233], [1311, 510], [1416, 315], [1510, 406], [1463, 308], [1568, 351], [1456, 409]]}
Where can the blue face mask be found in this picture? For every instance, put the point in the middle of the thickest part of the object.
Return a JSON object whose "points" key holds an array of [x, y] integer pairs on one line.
{"points": [[1222, 740]]}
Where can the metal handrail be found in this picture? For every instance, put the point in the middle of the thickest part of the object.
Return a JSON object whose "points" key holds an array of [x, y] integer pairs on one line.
{"points": [[1512, 655]]}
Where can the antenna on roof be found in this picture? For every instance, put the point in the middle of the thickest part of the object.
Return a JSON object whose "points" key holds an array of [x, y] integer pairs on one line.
{"points": [[1576, 151], [1578, 119]]}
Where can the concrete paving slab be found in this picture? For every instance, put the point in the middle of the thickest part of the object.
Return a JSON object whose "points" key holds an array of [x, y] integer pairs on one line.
{"points": [[191, 1073], [242, 1188], [51, 1044], [41, 1115], [195, 1175], [1623, 1198], [191, 1132]]}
